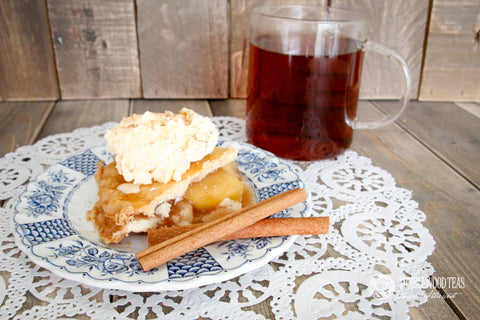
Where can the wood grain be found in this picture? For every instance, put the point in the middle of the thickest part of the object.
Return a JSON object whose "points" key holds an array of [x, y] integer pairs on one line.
{"points": [[20, 123], [452, 58], [449, 201], [96, 48], [230, 107], [183, 48], [433, 309], [452, 133], [27, 68], [70, 115], [473, 108]]}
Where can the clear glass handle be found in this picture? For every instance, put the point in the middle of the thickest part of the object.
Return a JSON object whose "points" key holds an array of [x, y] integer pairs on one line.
{"points": [[402, 103]]}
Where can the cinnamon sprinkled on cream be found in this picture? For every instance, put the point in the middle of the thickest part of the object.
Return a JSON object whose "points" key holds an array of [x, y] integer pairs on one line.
{"points": [[160, 146]]}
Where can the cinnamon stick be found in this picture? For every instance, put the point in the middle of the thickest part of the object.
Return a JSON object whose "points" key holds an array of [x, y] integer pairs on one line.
{"points": [[263, 228], [206, 233]]}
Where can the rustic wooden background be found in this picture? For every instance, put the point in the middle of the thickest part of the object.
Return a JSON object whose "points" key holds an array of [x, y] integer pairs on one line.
{"points": [[93, 49]]}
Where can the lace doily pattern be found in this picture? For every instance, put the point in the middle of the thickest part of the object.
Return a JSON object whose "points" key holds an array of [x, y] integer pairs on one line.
{"points": [[362, 269]]}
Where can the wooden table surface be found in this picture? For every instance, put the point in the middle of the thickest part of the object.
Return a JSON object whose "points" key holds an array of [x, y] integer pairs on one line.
{"points": [[433, 150]]}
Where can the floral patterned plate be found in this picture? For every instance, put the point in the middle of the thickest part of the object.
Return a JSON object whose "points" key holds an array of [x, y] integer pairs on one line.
{"points": [[50, 226]]}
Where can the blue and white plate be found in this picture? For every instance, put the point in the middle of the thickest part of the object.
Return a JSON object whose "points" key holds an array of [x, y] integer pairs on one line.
{"points": [[50, 226]]}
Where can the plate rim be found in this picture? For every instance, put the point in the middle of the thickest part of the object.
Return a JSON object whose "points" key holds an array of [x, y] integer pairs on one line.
{"points": [[161, 285]]}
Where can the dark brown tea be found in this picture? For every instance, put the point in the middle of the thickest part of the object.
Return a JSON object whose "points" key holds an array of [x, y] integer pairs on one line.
{"points": [[300, 105]]}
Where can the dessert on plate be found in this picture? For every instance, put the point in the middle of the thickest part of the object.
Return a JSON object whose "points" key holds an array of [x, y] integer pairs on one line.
{"points": [[167, 171]]}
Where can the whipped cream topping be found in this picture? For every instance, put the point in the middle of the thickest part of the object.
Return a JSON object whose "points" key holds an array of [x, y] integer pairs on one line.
{"points": [[160, 146]]}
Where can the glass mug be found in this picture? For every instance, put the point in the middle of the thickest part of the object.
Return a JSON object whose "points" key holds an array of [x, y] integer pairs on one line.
{"points": [[304, 80]]}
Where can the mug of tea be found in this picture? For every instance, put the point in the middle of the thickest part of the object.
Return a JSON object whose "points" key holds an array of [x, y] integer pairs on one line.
{"points": [[305, 66]]}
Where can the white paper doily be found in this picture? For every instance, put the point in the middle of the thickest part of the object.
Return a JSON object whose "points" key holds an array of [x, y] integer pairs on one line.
{"points": [[369, 265]]}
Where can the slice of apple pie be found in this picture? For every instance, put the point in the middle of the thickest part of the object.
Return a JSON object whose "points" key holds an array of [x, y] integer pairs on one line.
{"points": [[167, 172]]}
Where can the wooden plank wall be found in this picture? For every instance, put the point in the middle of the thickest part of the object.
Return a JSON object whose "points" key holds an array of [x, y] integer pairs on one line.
{"points": [[183, 48], [95, 48], [90, 49], [27, 67], [452, 57]]}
